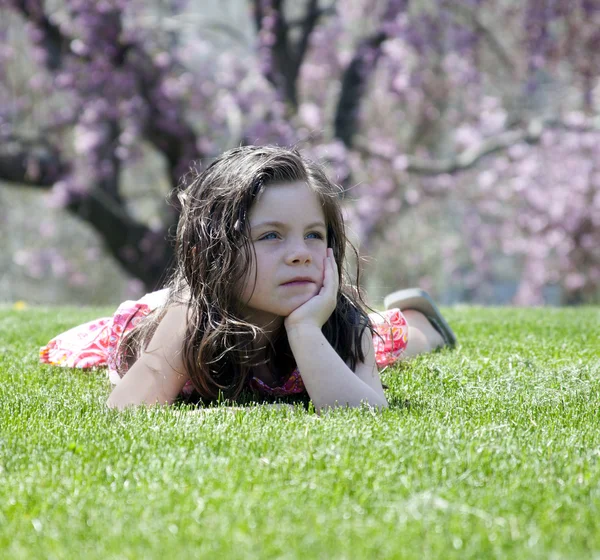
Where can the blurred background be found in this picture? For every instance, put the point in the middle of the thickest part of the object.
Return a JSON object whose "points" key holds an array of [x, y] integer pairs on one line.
{"points": [[464, 133]]}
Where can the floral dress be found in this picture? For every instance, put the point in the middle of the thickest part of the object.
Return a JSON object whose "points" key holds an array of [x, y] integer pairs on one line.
{"points": [[95, 344]]}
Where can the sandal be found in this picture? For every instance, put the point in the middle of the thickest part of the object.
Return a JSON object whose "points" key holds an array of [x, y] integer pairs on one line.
{"points": [[421, 301]]}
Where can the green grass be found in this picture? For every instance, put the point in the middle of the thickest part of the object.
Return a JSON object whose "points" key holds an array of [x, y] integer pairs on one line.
{"points": [[488, 451]]}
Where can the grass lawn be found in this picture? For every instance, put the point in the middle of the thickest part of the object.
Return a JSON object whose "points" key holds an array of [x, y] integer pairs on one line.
{"points": [[488, 451]]}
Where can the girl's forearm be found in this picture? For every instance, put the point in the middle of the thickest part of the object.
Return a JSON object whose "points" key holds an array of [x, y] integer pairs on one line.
{"points": [[328, 380]]}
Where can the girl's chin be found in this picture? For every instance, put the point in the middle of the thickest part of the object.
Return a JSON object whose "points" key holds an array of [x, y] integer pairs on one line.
{"points": [[281, 309]]}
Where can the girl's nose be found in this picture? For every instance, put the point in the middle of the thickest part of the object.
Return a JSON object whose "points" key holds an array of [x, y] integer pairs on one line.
{"points": [[299, 254]]}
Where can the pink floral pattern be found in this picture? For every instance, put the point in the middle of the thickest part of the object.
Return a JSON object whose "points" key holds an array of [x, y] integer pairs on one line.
{"points": [[95, 344], [390, 337]]}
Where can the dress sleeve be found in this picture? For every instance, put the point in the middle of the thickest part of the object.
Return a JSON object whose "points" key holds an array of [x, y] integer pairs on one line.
{"points": [[95, 343]]}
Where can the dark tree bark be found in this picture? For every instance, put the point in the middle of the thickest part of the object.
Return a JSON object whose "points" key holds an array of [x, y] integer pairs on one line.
{"points": [[142, 252], [30, 162], [41, 166], [354, 83], [287, 55], [358, 73]]}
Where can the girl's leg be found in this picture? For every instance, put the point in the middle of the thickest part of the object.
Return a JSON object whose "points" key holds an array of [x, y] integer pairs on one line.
{"points": [[422, 337]]}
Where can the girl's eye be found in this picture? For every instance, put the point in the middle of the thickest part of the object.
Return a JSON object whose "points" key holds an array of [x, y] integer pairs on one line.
{"points": [[275, 235], [270, 235]]}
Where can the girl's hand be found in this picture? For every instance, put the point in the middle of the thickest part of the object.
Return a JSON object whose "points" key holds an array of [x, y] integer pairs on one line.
{"points": [[316, 311]]}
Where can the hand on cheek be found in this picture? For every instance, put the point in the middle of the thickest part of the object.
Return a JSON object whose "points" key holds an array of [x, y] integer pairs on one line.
{"points": [[316, 311]]}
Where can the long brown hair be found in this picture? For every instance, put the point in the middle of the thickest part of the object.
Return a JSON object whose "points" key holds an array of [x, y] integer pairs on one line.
{"points": [[213, 253]]}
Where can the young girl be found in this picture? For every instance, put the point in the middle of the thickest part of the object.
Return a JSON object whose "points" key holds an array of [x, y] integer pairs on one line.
{"points": [[257, 299]]}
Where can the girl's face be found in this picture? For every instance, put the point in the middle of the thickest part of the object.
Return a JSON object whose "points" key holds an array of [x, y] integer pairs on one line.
{"points": [[289, 235]]}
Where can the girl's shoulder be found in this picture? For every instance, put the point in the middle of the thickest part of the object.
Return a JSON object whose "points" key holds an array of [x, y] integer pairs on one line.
{"points": [[158, 374], [157, 299], [163, 298]]}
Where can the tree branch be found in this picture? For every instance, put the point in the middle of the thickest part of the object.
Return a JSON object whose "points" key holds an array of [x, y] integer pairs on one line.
{"points": [[52, 38], [307, 26], [31, 162], [319, 12], [354, 84], [469, 158], [461, 162], [142, 252], [109, 182], [288, 58], [484, 31], [357, 74], [258, 14], [172, 136]]}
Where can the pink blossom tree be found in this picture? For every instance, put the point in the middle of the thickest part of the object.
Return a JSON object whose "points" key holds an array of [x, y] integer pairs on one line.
{"points": [[491, 103]]}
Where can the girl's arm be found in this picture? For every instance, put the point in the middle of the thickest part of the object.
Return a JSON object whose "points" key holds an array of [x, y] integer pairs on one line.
{"points": [[328, 380], [158, 375]]}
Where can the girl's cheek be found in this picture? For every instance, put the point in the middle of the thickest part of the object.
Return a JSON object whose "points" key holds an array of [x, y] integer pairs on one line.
{"points": [[321, 260], [322, 265]]}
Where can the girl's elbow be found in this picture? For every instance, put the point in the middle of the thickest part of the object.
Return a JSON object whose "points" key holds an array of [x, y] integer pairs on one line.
{"points": [[121, 403], [378, 404], [120, 400], [376, 401], [114, 403]]}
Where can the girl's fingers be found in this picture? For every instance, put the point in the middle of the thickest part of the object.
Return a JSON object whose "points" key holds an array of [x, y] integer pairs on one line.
{"points": [[326, 273], [333, 264], [332, 272]]}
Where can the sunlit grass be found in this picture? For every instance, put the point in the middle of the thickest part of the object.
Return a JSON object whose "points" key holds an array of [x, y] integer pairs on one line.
{"points": [[490, 450]]}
